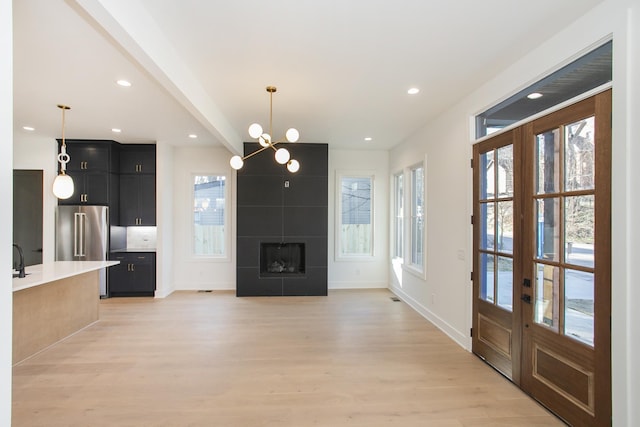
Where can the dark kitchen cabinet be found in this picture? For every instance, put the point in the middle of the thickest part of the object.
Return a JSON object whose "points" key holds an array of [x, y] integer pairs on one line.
{"points": [[137, 185], [90, 188], [134, 276], [93, 165], [88, 156], [138, 158], [137, 199]]}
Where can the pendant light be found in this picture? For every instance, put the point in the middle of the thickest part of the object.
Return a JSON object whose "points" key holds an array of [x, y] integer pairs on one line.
{"points": [[63, 184]]}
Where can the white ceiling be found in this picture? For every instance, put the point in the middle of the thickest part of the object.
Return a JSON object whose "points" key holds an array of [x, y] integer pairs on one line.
{"points": [[342, 67]]}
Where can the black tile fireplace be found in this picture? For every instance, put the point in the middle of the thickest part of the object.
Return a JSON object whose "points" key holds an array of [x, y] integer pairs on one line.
{"points": [[282, 223]]}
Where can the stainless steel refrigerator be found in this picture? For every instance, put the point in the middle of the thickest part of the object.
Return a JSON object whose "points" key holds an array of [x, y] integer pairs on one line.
{"points": [[82, 234]]}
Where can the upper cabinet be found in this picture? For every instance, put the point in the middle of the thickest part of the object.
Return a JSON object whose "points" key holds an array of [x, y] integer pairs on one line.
{"points": [[121, 176], [138, 184], [138, 158], [85, 156], [91, 165]]}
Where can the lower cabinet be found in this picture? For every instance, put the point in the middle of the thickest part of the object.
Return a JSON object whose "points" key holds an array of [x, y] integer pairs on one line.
{"points": [[134, 276]]}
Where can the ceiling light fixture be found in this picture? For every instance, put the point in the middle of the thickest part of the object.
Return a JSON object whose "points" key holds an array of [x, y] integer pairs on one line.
{"points": [[534, 95], [28, 128], [124, 83], [63, 184], [413, 91], [282, 155], [116, 130], [193, 136], [368, 138]]}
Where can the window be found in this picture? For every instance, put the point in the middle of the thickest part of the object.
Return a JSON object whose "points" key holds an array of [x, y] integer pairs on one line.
{"points": [[398, 216], [355, 237], [588, 72], [417, 218], [209, 219]]}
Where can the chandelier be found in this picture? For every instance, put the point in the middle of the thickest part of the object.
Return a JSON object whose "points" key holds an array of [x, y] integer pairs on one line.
{"points": [[63, 184], [282, 155]]}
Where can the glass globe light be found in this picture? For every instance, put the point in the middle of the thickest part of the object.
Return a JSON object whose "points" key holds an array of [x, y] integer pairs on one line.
{"points": [[282, 156], [265, 139], [255, 130], [292, 135], [236, 162], [63, 186], [293, 165]]}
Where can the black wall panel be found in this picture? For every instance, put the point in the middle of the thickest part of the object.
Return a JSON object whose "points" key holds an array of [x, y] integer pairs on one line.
{"points": [[277, 206]]}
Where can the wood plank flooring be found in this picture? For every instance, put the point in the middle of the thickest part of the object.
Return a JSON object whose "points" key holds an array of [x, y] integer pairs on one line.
{"points": [[354, 358]]}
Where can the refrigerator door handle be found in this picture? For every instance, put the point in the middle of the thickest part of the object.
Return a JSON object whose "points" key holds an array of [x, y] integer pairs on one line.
{"points": [[75, 233], [83, 246]]}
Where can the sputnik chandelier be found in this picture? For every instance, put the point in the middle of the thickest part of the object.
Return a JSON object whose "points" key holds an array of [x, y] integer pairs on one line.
{"points": [[282, 155]]}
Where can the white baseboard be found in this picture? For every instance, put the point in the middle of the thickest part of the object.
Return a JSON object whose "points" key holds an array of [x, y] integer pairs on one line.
{"points": [[357, 285], [460, 338]]}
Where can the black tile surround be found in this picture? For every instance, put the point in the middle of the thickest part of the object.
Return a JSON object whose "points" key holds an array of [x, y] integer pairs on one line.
{"points": [[272, 212]]}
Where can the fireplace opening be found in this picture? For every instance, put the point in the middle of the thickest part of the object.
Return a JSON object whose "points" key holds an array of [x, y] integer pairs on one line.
{"points": [[278, 259]]}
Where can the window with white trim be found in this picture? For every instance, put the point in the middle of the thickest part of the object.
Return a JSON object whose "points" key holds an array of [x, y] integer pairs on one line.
{"points": [[209, 216], [355, 216], [417, 218], [398, 215]]}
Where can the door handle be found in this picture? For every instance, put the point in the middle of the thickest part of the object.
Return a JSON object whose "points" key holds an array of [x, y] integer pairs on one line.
{"points": [[75, 233], [81, 226], [526, 298], [526, 283]]}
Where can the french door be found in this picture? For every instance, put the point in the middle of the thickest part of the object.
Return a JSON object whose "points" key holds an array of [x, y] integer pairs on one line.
{"points": [[542, 258]]}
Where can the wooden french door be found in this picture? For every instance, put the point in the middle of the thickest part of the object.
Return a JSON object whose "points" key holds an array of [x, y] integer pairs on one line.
{"points": [[497, 181], [554, 338]]}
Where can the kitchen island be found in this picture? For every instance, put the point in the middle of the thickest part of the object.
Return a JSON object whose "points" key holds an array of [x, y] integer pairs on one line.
{"points": [[54, 301]]}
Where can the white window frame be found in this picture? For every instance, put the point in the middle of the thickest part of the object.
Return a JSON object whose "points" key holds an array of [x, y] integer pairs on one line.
{"points": [[339, 255], [409, 263], [398, 213], [225, 256]]}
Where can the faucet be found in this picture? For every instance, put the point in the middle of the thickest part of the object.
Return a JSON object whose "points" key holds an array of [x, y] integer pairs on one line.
{"points": [[21, 272]]}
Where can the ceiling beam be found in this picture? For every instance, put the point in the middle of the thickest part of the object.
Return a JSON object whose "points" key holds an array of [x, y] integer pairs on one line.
{"points": [[134, 30]]}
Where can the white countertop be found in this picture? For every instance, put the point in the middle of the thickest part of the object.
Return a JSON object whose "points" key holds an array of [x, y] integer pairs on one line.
{"points": [[51, 271]]}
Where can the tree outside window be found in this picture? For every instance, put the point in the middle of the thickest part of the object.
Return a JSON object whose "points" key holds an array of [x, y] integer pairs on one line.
{"points": [[209, 203]]}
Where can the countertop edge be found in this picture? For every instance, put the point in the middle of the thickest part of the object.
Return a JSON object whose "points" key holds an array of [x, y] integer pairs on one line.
{"points": [[41, 274]]}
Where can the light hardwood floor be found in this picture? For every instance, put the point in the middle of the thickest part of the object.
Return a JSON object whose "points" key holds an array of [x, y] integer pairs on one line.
{"points": [[354, 358]]}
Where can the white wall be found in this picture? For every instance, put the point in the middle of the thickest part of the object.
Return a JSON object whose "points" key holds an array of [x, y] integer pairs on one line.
{"points": [[164, 220], [371, 273], [191, 273], [6, 193], [443, 296], [446, 143]]}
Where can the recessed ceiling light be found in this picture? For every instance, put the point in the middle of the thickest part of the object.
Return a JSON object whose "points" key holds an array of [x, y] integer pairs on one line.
{"points": [[116, 130], [193, 136], [368, 138], [413, 91], [124, 83], [29, 128], [534, 95]]}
